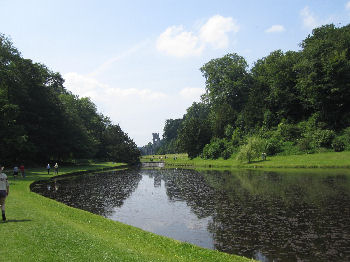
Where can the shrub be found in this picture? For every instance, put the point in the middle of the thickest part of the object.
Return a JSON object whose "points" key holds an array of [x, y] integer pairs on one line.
{"points": [[345, 137], [273, 146], [237, 137], [289, 148], [227, 153], [214, 149], [289, 132], [322, 138], [338, 145], [304, 144], [252, 150]]}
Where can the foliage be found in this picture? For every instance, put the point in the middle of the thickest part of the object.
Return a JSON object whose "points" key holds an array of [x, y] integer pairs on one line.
{"points": [[338, 145], [169, 144], [253, 149], [41, 121], [218, 148], [296, 101], [195, 131]]}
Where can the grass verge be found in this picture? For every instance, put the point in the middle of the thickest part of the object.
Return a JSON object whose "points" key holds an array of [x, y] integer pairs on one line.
{"points": [[319, 160], [41, 229]]}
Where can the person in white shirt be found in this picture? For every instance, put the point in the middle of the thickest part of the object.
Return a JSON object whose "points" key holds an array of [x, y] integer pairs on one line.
{"points": [[4, 191], [48, 169], [56, 169]]}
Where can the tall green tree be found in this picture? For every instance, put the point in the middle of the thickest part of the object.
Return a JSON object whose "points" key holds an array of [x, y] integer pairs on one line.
{"points": [[324, 74], [41, 121], [227, 86], [195, 130], [274, 90]]}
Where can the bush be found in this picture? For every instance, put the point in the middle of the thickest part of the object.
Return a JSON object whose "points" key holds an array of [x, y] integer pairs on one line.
{"points": [[214, 149], [289, 132], [345, 137], [338, 145], [252, 150], [289, 148], [322, 138], [227, 153], [237, 137], [304, 144], [273, 146]]}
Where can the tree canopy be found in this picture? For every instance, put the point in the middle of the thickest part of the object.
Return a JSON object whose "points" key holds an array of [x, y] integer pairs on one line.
{"points": [[42, 121], [296, 101]]}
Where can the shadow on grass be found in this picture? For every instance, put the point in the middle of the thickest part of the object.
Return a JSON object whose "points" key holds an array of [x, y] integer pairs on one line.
{"points": [[17, 220], [259, 161]]}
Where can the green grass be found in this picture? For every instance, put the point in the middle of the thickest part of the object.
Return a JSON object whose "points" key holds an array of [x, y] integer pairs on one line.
{"points": [[41, 229], [319, 160]]}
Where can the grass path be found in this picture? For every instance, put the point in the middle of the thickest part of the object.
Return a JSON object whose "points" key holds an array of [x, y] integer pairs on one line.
{"points": [[41, 229], [320, 160]]}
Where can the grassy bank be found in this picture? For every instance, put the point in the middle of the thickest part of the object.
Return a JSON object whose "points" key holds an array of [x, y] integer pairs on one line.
{"points": [[41, 229], [320, 160]]}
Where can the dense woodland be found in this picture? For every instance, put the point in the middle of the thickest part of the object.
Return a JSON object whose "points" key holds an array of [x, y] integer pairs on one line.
{"points": [[287, 103], [40, 121]]}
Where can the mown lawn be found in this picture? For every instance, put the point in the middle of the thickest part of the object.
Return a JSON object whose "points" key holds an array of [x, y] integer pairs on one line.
{"points": [[41, 229], [319, 160]]}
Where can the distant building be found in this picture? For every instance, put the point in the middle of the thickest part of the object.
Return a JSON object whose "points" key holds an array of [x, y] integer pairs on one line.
{"points": [[156, 139], [151, 148]]}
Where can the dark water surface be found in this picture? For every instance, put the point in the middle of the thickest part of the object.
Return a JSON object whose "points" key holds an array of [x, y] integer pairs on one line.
{"points": [[269, 216]]}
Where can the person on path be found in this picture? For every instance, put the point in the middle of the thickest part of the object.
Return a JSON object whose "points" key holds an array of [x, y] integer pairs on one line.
{"points": [[56, 169], [22, 170], [4, 192], [48, 169], [15, 172]]}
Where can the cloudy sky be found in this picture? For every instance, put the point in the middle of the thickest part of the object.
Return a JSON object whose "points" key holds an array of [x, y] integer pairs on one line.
{"points": [[139, 61]]}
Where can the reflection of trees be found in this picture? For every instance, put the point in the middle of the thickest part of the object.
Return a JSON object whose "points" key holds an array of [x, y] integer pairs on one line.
{"points": [[190, 186], [286, 217], [96, 193]]}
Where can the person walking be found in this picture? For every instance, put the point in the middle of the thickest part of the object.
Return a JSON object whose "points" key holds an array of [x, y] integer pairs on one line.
{"points": [[56, 169], [48, 169], [15, 172], [4, 192], [21, 167]]}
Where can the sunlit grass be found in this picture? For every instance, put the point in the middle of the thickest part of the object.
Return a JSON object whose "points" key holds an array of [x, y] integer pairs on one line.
{"points": [[41, 229], [319, 160]]}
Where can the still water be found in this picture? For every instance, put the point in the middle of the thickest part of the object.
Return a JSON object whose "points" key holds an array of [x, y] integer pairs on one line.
{"points": [[269, 216]]}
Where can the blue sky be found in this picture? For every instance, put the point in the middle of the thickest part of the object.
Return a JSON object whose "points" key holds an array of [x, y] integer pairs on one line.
{"points": [[139, 61]]}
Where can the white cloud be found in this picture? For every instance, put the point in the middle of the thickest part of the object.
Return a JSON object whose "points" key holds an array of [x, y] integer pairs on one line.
{"points": [[215, 31], [140, 112], [309, 19], [275, 29], [347, 6], [192, 93], [86, 86], [107, 64], [178, 42]]}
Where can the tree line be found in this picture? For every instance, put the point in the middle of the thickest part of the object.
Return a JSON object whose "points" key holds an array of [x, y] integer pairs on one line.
{"points": [[41, 121], [286, 103]]}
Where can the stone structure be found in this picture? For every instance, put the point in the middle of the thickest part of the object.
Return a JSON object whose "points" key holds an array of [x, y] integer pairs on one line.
{"points": [[156, 139]]}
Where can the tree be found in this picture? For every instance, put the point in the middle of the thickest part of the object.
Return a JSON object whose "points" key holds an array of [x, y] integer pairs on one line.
{"points": [[274, 87], [252, 149], [41, 121], [324, 74], [195, 131]]}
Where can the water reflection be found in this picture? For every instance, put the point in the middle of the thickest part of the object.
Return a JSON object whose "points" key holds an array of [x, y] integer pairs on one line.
{"points": [[269, 216], [96, 193]]}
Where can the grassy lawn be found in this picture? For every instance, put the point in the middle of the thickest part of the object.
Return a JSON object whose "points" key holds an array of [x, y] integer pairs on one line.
{"points": [[41, 229], [320, 160]]}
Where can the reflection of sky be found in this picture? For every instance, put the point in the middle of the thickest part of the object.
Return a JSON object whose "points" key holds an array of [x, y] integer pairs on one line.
{"points": [[150, 209]]}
